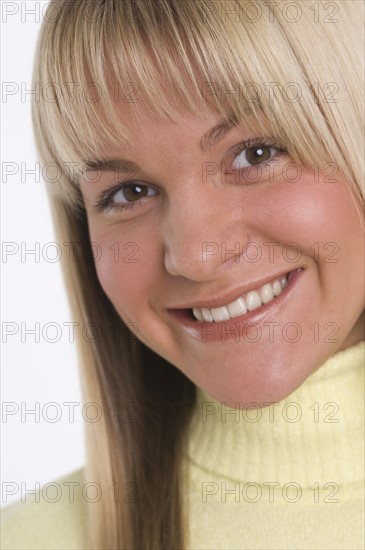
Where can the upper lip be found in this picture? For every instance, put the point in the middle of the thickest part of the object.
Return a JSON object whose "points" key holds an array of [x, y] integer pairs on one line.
{"points": [[229, 296]]}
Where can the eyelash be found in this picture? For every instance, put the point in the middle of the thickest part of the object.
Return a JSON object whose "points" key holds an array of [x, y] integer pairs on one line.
{"points": [[105, 202], [258, 142]]}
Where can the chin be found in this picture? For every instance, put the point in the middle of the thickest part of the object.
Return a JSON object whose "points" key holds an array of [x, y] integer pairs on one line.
{"points": [[270, 378]]}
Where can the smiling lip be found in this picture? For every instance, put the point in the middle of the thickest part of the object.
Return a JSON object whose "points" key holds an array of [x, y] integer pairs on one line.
{"points": [[227, 330], [231, 296]]}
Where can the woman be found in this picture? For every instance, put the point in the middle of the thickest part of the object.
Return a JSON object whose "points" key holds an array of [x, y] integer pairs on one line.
{"points": [[210, 159]]}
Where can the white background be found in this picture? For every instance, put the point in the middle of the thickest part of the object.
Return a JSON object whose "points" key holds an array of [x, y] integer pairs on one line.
{"points": [[34, 449]]}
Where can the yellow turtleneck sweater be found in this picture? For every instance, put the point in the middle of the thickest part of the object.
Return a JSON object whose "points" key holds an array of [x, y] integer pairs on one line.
{"points": [[289, 476]]}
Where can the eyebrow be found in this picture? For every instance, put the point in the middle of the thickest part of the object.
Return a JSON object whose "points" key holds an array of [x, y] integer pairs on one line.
{"points": [[217, 133], [120, 165], [208, 141]]}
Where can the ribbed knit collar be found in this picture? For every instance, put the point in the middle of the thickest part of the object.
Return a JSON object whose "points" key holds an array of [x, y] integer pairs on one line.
{"points": [[314, 435]]}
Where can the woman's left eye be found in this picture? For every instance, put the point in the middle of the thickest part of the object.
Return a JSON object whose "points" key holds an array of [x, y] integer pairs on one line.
{"points": [[252, 156]]}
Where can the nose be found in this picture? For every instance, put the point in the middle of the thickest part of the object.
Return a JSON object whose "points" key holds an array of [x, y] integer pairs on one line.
{"points": [[203, 234]]}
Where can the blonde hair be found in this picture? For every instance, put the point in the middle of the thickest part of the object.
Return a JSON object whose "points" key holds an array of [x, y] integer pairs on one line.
{"points": [[295, 68]]}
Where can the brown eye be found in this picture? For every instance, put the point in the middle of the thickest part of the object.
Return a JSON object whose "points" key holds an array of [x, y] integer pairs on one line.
{"points": [[254, 155], [131, 193], [125, 195], [257, 154]]}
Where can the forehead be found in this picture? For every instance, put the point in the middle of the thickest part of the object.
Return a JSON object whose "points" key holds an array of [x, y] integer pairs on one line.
{"points": [[146, 127], [156, 141], [144, 123]]}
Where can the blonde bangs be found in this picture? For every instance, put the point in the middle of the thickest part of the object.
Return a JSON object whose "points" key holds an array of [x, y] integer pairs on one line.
{"points": [[249, 64]]}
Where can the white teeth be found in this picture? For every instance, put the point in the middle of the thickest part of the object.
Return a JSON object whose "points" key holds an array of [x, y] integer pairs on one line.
{"points": [[252, 300], [207, 315], [266, 294], [237, 308], [197, 313], [276, 288], [220, 314], [283, 281]]}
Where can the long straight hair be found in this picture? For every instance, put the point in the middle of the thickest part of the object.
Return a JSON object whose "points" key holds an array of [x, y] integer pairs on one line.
{"points": [[297, 69]]}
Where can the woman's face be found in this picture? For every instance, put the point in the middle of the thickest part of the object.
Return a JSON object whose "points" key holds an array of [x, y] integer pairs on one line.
{"points": [[201, 229]]}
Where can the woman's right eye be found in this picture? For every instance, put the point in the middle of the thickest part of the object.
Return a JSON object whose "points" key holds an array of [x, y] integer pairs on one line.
{"points": [[124, 195]]}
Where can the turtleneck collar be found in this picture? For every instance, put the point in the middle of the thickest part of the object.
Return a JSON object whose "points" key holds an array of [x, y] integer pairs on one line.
{"points": [[315, 435]]}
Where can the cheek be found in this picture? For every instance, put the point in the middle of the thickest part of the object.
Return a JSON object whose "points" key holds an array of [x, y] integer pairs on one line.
{"points": [[126, 267], [322, 227], [320, 218]]}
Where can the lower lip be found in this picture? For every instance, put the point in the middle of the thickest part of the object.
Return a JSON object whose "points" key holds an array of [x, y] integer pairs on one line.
{"points": [[227, 330]]}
